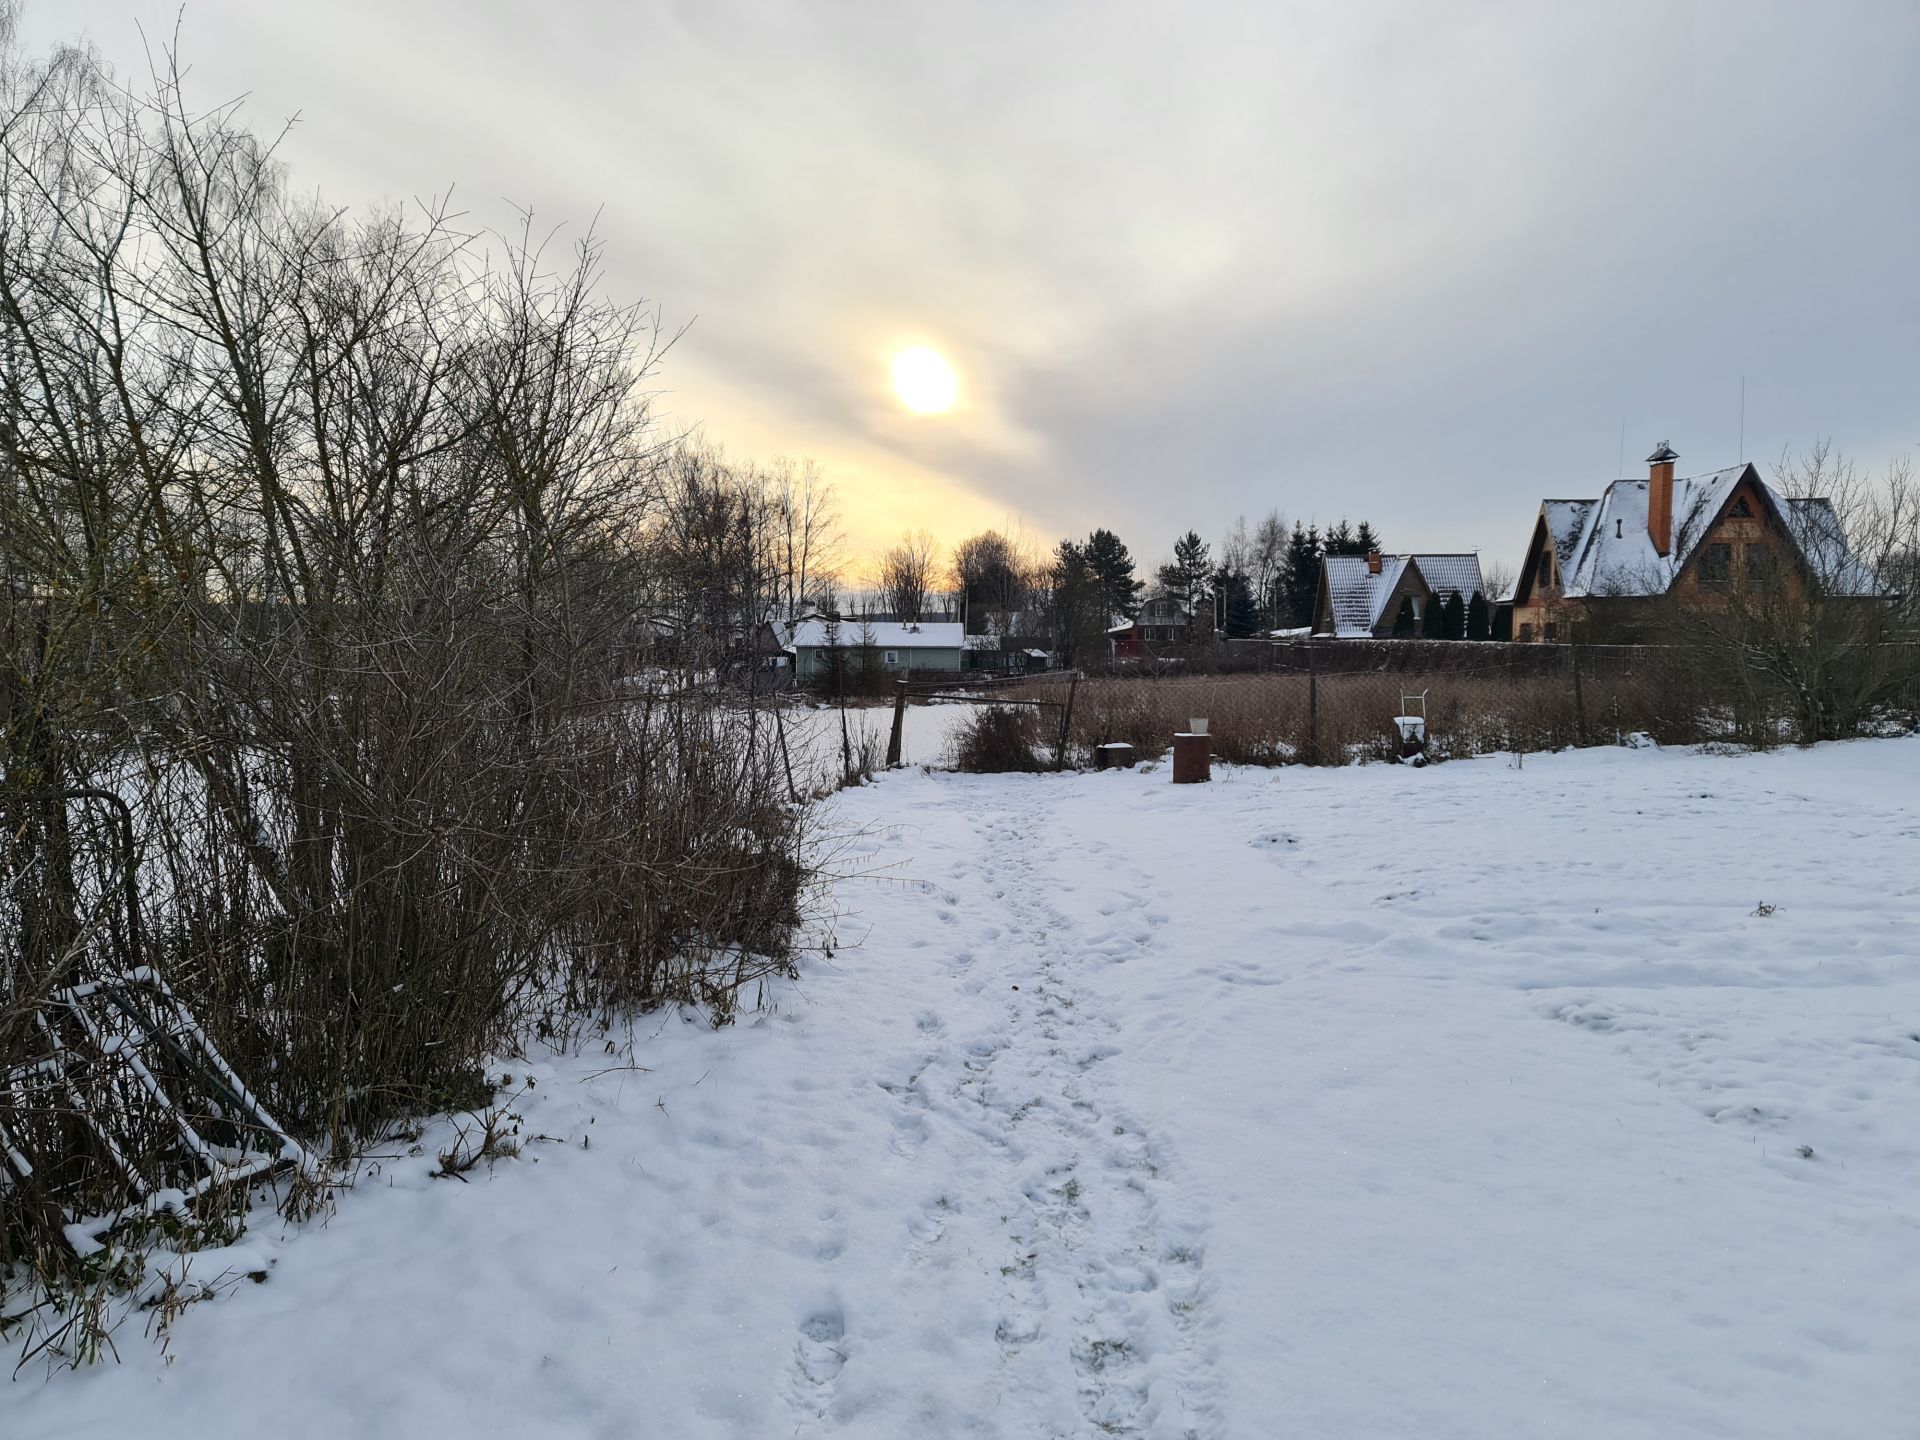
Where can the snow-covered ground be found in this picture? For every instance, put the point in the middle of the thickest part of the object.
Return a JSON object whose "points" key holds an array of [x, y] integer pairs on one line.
{"points": [[1473, 1101], [814, 736]]}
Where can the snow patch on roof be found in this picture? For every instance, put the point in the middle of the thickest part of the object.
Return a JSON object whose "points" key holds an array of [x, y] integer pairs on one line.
{"points": [[1359, 597], [885, 634]]}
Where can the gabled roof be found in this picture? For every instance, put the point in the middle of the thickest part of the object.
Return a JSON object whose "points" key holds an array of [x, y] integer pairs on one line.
{"points": [[1451, 574], [886, 634], [1566, 523], [1612, 554], [1355, 594], [1358, 597]]}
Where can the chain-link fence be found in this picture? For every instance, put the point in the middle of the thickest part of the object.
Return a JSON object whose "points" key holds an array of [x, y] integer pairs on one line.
{"points": [[1335, 704]]}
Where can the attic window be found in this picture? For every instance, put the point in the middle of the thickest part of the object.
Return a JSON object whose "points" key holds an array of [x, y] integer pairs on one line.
{"points": [[1741, 509], [1716, 565], [1546, 570]]}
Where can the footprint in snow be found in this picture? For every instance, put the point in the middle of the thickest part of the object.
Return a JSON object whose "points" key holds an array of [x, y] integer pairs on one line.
{"points": [[819, 1355]]}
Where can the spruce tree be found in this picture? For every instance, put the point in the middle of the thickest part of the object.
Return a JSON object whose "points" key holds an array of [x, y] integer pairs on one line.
{"points": [[1107, 557], [1365, 541], [1479, 626], [1403, 626], [1186, 578], [1456, 617], [1340, 540], [1242, 617], [1302, 584], [1080, 613], [1433, 619]]}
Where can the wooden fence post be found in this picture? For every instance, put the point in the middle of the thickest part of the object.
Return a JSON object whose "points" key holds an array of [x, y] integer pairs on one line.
{"points": [[786, 760], [1579, 699], [1066, 722], [899, 723], [1313, 708]]}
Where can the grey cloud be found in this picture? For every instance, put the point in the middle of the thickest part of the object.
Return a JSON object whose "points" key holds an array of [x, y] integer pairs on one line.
{"points": [[1405, 260]]}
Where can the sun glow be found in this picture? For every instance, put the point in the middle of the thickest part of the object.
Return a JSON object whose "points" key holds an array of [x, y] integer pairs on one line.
{"points": [[924, 381]]}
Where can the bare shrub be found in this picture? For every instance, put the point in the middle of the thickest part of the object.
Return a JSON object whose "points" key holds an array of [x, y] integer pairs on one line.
{"points": [[331, 545], [996, 739]]}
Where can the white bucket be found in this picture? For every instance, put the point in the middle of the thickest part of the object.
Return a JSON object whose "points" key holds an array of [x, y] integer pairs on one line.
{"points": [[1197, 725]]}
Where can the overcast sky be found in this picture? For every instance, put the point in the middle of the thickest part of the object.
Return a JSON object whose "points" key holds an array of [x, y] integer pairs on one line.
{"points": [[1413, 262]]}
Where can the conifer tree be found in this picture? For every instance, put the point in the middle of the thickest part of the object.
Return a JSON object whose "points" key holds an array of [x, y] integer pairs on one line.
{"points": [[1365, 540], [1107, 557], [1242, 617], [1455, 619], [1301, 585], [1433, 619], [1186, 578], [1403, 625], [1479, 626]]}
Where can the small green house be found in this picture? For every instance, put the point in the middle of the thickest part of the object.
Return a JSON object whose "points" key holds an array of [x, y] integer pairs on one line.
{"points": [[890, 646]]}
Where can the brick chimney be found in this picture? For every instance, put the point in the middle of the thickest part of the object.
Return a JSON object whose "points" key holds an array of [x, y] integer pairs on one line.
{"points": [[1660, 498], [1373, 562]]}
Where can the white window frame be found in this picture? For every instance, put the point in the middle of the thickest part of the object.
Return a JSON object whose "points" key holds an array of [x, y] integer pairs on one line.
{"points": [[892, 657]]}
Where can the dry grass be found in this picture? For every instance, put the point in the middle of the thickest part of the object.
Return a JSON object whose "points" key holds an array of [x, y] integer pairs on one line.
{"points": [[1347, 719]]}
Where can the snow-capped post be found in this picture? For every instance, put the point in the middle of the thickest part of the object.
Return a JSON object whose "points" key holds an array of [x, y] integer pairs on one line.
{"points": [[899, 722], [1193, 754]]}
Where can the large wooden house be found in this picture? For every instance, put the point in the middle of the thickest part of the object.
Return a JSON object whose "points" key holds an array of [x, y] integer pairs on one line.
{"points": [[1607, 569], [1361, 595]]}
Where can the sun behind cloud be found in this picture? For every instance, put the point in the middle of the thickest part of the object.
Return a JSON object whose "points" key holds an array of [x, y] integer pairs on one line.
{"points": [[924, 381]]}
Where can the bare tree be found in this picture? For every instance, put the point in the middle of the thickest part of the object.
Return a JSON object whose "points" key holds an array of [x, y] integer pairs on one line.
{"points": [[1267, 562], [1499, 577], [1807, 622], [907, 573]]}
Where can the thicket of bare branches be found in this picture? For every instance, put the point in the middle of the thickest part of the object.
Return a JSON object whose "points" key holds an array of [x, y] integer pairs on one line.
{"points": [[908, 574], [728, 548], [1816, 647], [329, 542]]}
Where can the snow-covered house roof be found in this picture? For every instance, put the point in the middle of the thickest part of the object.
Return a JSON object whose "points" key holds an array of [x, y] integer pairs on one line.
{"points": [[1604, 547], [1566, 522], [1358, 597], [852, 632], [1449, 574]]}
